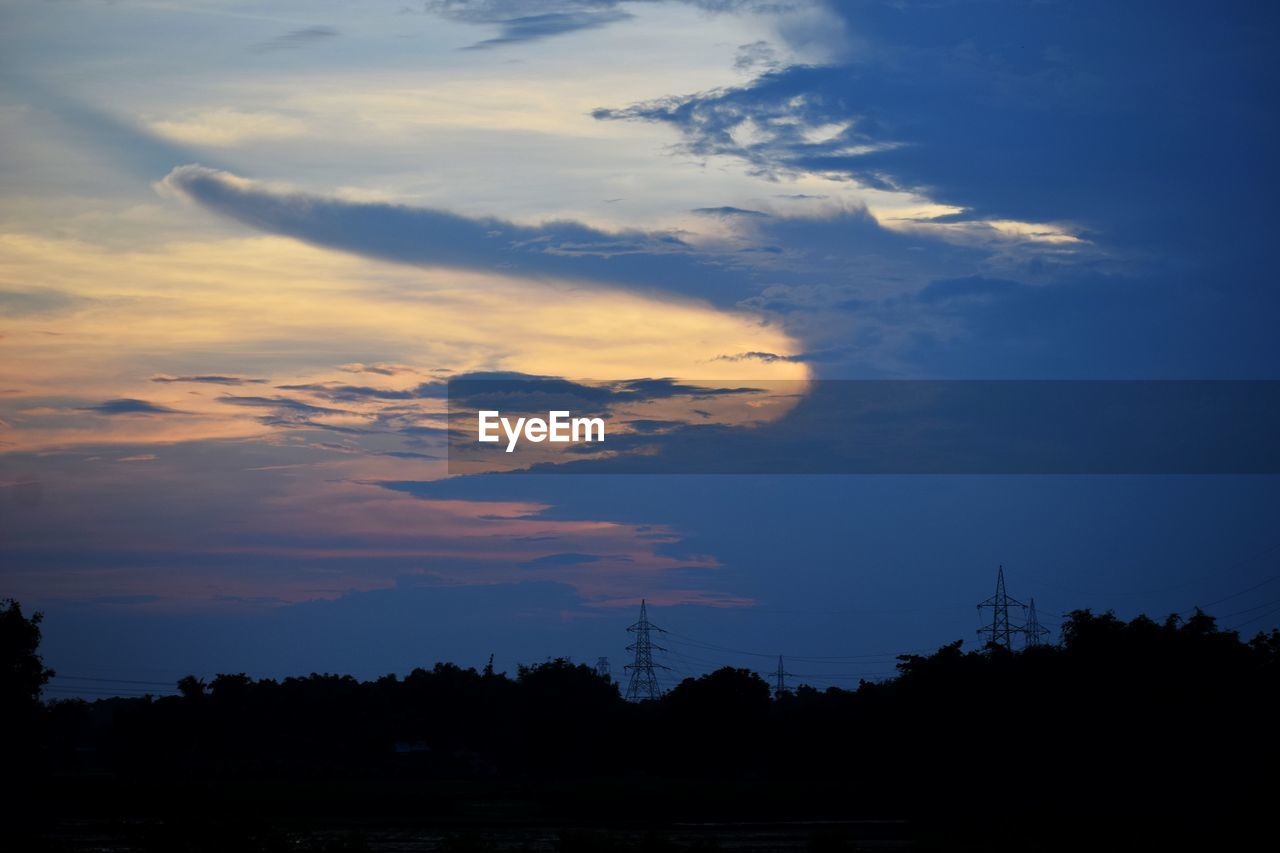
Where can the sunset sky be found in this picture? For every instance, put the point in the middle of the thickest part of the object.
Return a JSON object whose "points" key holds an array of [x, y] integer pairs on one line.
{"points": [[243, 245]]}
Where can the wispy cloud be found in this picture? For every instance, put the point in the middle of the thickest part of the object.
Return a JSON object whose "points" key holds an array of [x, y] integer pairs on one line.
{"points": [[38, 302], [773, 357], [728, 212], [130, 406], [297, 38], [427, 236], [282, 403], [532, 20], [378, 369], [227, 127], [536, 27], [211, 379]]}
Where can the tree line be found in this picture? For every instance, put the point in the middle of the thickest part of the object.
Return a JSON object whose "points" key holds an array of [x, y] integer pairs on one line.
{"points": [[1174, 720]]}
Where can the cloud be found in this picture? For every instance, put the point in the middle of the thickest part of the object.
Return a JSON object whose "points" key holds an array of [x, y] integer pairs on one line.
{"points": [[758, 55], [134, 147], [294, 421], [339, 392], [505, 391], [532, 20], [406, 323], [1032, 112], [38, 302], [727, 212], [297, 38], [432, 237], [765, 357], [517, 393], [553, 561], [770, 123], [536, 27], [280, 403], [130, 406], [228, 127], [123, 599], [210, 378], [379, 369]]}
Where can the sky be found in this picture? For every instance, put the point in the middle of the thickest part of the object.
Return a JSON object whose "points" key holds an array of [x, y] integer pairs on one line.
{"points": [[243, 245]]}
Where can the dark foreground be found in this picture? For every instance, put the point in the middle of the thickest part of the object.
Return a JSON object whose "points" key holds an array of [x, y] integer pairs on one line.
{"points": [[606, 815], [1125, 736]]}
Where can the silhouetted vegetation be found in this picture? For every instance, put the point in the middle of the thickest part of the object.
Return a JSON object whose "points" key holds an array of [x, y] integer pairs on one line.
{"points": [[22, 672], [22, 676], [1154, 730]]}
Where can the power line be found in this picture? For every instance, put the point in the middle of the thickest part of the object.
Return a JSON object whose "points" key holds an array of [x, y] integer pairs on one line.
{"points": [[1258, 585], [62, 677], [708, 646], [1271, 612], [103, 692], [1251, 609]]}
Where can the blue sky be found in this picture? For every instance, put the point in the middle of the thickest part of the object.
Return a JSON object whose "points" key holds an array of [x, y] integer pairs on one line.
{"points": [[238, 239]]}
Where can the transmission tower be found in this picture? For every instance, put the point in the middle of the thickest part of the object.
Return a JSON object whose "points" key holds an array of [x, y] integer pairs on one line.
{"points": [[780, 679], [602, 668], [1033, 631], [644, 681], [1000, 632]]}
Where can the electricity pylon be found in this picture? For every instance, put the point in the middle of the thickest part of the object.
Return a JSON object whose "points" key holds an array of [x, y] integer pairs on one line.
{"points": [[602, 668], [780, 679], [644, 681], [1001, 630], [1033, 631]]}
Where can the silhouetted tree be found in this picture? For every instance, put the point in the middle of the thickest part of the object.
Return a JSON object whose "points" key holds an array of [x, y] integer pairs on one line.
{"points": [[191, 688], [1153, 723], [22, 671]]}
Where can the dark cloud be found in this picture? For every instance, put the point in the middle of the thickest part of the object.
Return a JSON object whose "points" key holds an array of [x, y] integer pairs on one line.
{"points": [[1034, 112], [1082, 112], [727, 212], [492, 11], [298, 38], [338, 392], [290, 420], [123, 599], [379, 369], [432, 237], [555, 561], [408, 454], [1139, 128], [532, 20], [280, 403], [647, 425], [130, 406], [771, 357], [756, 56], [36, 302], [536, 27], [520, 393], [211, 379]]}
